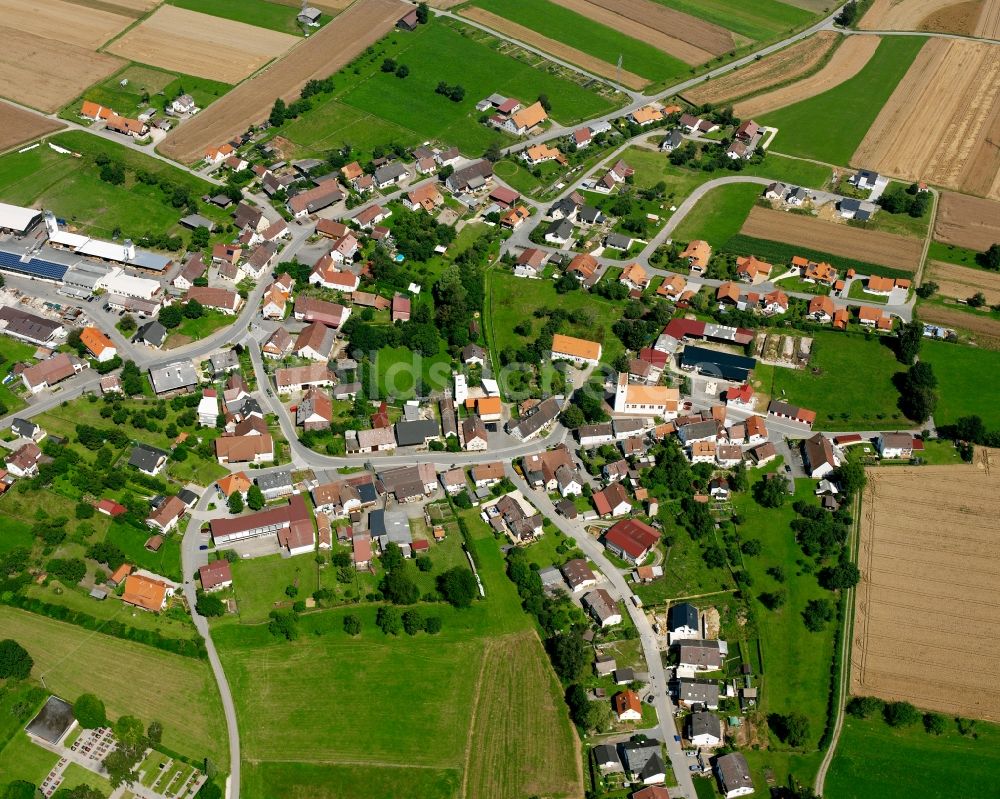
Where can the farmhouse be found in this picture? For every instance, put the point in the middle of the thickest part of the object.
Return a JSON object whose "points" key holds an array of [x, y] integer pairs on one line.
{"points": [[296, 378], [579, 351], [315, 199], [818, 456], [244, 449], [627, 706], [631, 540], [218, 299], [471, 177], [733, 773], [895, 445], [291, 523], [602, 607]]}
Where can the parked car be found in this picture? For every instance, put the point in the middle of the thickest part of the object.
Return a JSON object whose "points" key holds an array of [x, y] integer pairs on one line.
{"points": [[203, 547]]}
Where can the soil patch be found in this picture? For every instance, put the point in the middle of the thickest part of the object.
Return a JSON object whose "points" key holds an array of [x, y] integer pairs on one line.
{"points": [[557, 49], [942, 122], [789, 64], [959, 18], [848, 60], [319, 56], [887, 249], [18, 126], [63, 22], [921, 592], [967, 221], [673, 44], [961, 282]]}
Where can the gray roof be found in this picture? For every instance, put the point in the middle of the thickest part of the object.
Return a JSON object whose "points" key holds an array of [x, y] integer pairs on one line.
{"points": [[227, 359], [606, 756], [152, 333], [145, 457], [470, 175], [272, 480], [562, 228], [52, 721], [393, 171], [733, 771], [590, 214], [704, 723], [197, 220], [697, 430], [23, 427], [173, 376], [566, 205], [543, 414], [417, 432], [618, 241], [397, 528], [642, 758], [683, 615], [26, 325], [698, 691]]}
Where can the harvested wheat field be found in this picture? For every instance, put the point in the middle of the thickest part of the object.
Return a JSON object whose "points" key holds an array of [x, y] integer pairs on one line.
{"points": [[127, 8], [678, 43], [786, 65], [887, 249], [535, 726], [198, 44], [942, 122], [694, 31], [558, 49], [319, 56], [64, 22], [18, 126], [967, 221], [984, 328], [989, 20], [905, 15], [960, 18], [847, 61], [46, 74], [961, 282], [928, 605]]}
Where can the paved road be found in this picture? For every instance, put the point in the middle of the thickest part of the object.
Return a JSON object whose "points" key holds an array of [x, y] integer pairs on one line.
{"points": [[658, 686]]}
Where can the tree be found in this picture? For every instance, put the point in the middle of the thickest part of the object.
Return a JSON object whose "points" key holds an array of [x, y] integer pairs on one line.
{"points": [[493, 153], [432, 625], [89, 711], [278, 111], [423, 13], [569, 655], [458, 586], [990, 259], [865, 707], [578, 704], [424, 563], [399, 588], [572, 417], [840, 577], [413, 621], [392, 557], [977, 300], [770, 493], [388, 65], [193, 309], [352, 624], [171, 316], [154, 732], [908, 341], [255, 498], [816, 614], [283, 624], [850, 476], [235, 502], [15, 662], [773, 600], [752, 548], [927, 289], [900, 714], [791, 728], [388, 620], [918, 398], [402, 71], [209, 605], [19, 789], [543, 100], [935, 723]]}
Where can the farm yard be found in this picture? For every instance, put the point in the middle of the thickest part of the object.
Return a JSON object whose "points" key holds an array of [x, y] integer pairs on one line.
{"points": [[185, 699], [202, 45], [557, 49], [960, 282], [847, 61], [922, 593], [375, 108], [793, 63], [941, 122], [318, 57], [18, 126], [887, 249], [970, 222], [804, 128]]}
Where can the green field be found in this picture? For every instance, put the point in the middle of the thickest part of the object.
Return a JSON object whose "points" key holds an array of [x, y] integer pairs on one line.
{"points": [[762, 19], [397, 367], [358, 715], [652, 166], [593, 38], [73, 190], [375, 108], [848, 382], [159, 85], [830, 126], [871, 756], [131, 541], [131, 679], [962, 389], [263, 14], [719, 215], [952, 254], [23, 760], [195, 329], [779, 252]]}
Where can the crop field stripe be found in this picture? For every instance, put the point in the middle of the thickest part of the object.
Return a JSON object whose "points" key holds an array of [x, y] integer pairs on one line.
{"points": [[760, 20], [805, 127]]}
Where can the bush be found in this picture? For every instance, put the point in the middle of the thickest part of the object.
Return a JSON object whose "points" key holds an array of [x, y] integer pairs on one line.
{"points": [[209, 605], [388, 620], [352, 624], [413, 621], [900, 714], [816, 614], [791, 728], [865, 707], [432, 625], [89, 711], [15, 662], [68, 570], [458, 586]]}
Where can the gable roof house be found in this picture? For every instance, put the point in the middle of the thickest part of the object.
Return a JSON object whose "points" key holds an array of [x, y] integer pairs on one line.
{"points": [[23, 462], [523, 120], [51, 371], [148, 460], [315, 342], [98, 344], [244, 449], [470, 177], [315, 199], [579, 351], [166, 516], [315, 410], [631, 540], [818, 456], [426, 197], [733, 773], [330, 314], [612, 501], [217, 299], [146, 593], [644, 762], [296, 378], [278, 345], [627, 706], [599, 604]]}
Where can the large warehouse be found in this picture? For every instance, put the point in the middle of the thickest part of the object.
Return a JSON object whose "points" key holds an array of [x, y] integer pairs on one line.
{"points": [[15, 219], [717, 364]]}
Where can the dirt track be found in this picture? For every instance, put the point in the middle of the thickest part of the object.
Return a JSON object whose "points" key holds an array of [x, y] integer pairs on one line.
{"points": [[788, 64], [676, 44], [319, 56], [557, 49], [967, 221], [673, 23], [887, 249], [928, 604], [18, 127], [46, 74], [63, 22], [942, 122], [198, 44], [848, 60], [961, 282]]}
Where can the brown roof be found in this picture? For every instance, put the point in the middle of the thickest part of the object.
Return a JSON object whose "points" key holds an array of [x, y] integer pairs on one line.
{"points": [[215, 573], [49, 371], [169, 510], [301, 375], [316, 336], [488, 471], [239, 449], [213, 297], [145, 592]]}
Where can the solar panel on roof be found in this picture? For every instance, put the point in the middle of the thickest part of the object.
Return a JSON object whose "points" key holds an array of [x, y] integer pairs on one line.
{"points": [[35, 267]]}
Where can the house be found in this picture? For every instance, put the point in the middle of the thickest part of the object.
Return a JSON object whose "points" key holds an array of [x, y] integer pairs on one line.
{"points": [[325, 194], [752, 270], [417, 433], [821, 309], [647, 115], [577, 350], [291, 523], [612, 501], [22, 428], [152, 334], [166, 516], [872, 317], [813, 272], [312, 310], [864, 179], [338, 499], [208, 408], [234, 483], [504, 197], [296, 378], [619, 241], [126, 126], [216, 575], [599, 604], [474, 436], [774, 303], [818, 456], [217, 299], [634, 277], [651, 792], [541, 153], [566, 208], [379, 439], [704, 729], [895, 445], [523, 120], [177, 377], [473, 354], [698, 692], [426, 197], [560, 232], [643, 761], [620, 172], [315, 342], [148, 460], [98, 344], [534, 420], [278, 345], [672, 287], [606, 759], [193, 269], [469, 178], [698, 253], [578, 574], [683, 622], [631, 540], [485, 475], [390, 174], [24, 460], [244, 449], [146, 593], [700, 655], [584, 268], [733, 773], [627, 706], [49, 372], [326, 272], [315, 410], [512, 219], [275, 484]]}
